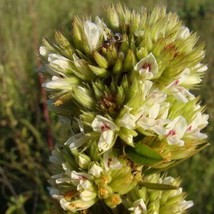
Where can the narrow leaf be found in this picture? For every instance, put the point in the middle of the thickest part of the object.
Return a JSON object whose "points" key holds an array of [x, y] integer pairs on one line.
{"points": [[146, 151], [140, 159], [158, 186]]}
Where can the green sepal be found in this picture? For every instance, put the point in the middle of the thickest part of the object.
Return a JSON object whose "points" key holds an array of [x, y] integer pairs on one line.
{"points": [[157, 186]]}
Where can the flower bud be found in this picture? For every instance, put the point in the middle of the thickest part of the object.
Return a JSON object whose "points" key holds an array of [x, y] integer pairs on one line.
{"points": [[100, 60], [83, 97], [104, 192], [113, 200]]}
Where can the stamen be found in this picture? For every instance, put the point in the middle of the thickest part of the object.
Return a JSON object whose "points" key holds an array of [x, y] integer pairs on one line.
{"points": [[147, 66], [105, 127]]}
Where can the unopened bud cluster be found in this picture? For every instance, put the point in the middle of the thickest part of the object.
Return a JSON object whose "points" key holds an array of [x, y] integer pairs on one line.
{"points": [[124, 83]]}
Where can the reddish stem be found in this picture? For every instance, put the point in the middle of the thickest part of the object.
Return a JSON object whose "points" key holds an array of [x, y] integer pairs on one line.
{"points": [[43, 93]]}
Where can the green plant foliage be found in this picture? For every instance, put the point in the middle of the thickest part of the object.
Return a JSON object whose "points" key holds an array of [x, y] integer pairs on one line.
{"points": [[23, 130]]}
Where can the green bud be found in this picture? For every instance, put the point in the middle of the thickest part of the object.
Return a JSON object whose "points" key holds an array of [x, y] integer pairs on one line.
{"points": [[82, 66], [104, 179], [113, 200], [87, 117], [112, 17], [154, 195], [154, 207], [111, 54], [100, 60], [127, 135], [119, 63], [83, 97], [129, 61], [81, 159], [123, 180], [120, 97], [77, 32], [104, 192], [101, 72], [98, 88], [64, 45], [125, 44], [134, 22], [141, 53]]}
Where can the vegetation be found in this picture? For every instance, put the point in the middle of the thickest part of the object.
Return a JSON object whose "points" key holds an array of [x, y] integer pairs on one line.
{"points": [[25, 130]]}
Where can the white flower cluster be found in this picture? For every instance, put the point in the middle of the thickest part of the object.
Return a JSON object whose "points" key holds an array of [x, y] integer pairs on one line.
{"points": [[126, 87]]}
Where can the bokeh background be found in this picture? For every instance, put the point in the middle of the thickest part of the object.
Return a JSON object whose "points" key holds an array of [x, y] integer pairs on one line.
{"points": [[27, 131]]}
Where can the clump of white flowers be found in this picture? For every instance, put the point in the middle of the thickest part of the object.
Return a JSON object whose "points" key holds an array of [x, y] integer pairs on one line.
{"points": [[124, 83]]}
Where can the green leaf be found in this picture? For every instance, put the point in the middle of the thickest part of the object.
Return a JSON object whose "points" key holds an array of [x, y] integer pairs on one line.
{"points": [[146, 151], [158, 186], [140, 159]]}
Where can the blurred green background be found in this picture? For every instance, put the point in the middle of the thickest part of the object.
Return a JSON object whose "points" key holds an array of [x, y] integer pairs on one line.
{"points": [[26, 131]]}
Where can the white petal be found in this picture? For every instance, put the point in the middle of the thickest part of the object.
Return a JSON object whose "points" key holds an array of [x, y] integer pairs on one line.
{"points": [[101, 124], [200, 121], [139, 207], [55, 193], [128, 120], [62, 84], [79, 176], [43, 51], [186, 204], [147, 67], [76, 141], [63, 180], [63, 64], [110, 161], [201, 68], [92, 33], [78, 205], [56, 157], [180, 126], [87, 195], [154, 110], [95, 170], [106, 141], [183, 33], [168, 180], [64, 203], [52, 57]]}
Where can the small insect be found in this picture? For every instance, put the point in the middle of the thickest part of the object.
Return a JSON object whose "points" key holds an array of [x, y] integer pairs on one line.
{"points": [[112, 40]]}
